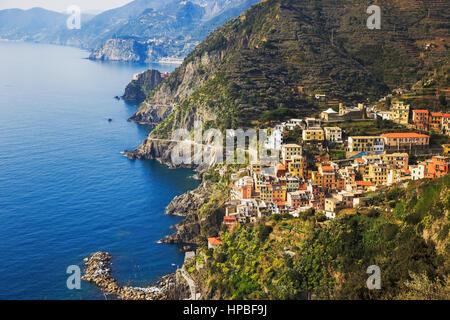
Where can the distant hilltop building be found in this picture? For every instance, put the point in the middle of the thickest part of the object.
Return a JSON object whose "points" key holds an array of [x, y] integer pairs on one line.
{"points": [[345, 113]]}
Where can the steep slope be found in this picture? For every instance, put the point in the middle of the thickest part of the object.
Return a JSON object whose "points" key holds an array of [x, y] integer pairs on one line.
{"points": [[270, 61]]}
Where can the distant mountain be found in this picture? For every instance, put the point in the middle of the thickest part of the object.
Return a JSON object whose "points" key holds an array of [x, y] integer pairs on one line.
{"points": [[170, 30], [268, 63], [31, 25], [141, 31]]}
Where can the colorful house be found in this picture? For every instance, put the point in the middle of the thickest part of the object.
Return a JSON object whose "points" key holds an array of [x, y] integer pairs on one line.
{"points": [[401, 112], [437, 166], [367, 144], [420, 119]]}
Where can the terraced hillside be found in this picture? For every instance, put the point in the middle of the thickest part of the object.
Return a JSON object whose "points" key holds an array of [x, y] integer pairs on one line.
{"points": [[270, 61]]}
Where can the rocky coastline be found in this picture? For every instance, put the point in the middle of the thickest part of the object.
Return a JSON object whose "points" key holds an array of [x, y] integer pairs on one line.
{"points": [[161, 151], [190, 201], [98, 271]]}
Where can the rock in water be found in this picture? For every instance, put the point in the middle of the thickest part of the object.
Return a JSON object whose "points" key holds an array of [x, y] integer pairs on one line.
{"points": [[98, 271], [142, 84]]}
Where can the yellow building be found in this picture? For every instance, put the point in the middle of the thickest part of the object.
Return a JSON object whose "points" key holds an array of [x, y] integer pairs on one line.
{"points": [[367, 144], [295, 166], [398, 159], [377, 174], [290, 150], [400, 112], [446, 148], [315, 134]]}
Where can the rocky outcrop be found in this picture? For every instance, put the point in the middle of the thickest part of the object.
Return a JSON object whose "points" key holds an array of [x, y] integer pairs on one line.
{"points": [[199, 220], [98, 272], [154, 149], [191, 201], [142, 84], [194, 225], [151, 113]]}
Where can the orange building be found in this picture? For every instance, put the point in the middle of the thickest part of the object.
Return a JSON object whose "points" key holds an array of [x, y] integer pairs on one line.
{"points": [[421, 119], [437, 166], [405, 140], [436, 121]]}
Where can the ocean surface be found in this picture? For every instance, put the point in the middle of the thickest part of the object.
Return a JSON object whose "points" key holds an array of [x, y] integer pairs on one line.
{"points": [[65, 189]]}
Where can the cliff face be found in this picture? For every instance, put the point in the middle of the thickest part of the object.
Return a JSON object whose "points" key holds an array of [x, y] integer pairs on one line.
{"points": [[161, 151], [272, 59], [181, 85], [191, 201], [138, 89], [202, 217], [120, 49]]}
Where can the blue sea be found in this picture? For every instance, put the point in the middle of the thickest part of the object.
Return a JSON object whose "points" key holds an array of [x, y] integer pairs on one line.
{"points": [[66, 191]]}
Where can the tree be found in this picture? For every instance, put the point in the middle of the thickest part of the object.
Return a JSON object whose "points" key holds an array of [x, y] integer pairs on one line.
{"points": [[443, 101]]}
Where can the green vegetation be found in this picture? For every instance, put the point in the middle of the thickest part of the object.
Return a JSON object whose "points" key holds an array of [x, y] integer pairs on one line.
{"points": [[337, 154], [371, 127], [288, 258]]}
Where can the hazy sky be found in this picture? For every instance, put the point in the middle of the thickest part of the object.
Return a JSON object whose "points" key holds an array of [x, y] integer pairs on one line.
{"points": [[62, 5]]}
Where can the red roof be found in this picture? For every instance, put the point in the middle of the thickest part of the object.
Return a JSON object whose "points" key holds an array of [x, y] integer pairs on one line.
{"points": [[214, 241], [327, 168], [404, 135], [280, 203], [420, 111], [364, 183], [229, 219]]}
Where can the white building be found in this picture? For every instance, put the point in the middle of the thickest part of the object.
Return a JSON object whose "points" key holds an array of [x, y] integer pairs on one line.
{"points": [[293, 123], [333, 134], [417, 171], [275, 140], [385, 115]]}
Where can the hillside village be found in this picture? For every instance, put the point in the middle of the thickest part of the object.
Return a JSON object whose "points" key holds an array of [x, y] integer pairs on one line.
{"points": [[306, 178]]}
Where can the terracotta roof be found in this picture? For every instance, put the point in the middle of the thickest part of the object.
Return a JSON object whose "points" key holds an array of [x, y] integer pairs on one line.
{"points": [[421, 111], [440, 114], [327, 168], [214, 241], [404, 135], [281, 167], [364, 183]]}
